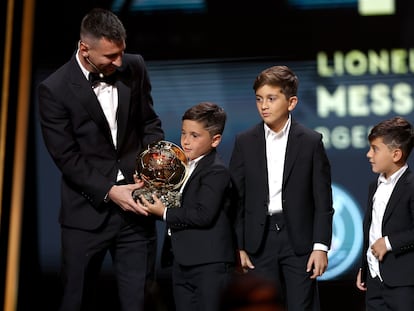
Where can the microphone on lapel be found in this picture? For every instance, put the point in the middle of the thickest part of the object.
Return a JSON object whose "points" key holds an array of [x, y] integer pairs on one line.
{"points": [[99, 73]]}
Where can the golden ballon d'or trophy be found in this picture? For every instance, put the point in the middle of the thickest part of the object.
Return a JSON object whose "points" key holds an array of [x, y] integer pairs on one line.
{"points": [[163, 167]]}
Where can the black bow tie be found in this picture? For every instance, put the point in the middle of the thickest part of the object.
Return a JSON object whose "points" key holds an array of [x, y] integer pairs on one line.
{"points": [[100, 77]]}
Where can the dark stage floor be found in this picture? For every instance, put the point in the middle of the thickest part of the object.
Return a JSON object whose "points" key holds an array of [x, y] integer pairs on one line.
{"points": [[335, 295]]}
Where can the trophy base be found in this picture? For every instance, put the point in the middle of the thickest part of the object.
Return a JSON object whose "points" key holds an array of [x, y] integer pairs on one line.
{"points": [[170, 199]]}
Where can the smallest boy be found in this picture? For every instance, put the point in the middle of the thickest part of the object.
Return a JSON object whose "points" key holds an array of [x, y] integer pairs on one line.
{"points": [[387, 271], [201, 229]]}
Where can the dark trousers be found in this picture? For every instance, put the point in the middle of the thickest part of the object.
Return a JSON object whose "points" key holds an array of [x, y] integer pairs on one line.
{"points": [[277, 261], [380, 297], [199, 288], [133, 249]]}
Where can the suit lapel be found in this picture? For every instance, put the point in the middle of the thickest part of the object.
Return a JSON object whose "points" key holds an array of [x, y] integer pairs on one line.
{"points": [[123, 111], [206, 160], [292, 150], [396, 195], [258, 157], [258, 148], [85, 95]]}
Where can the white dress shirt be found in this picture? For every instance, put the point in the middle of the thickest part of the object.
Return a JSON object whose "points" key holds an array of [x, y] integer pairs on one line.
{"points": [[275, 155], [380, 201]]}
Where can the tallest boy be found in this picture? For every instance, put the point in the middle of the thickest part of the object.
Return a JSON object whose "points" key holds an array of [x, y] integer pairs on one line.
{"points": [[283, 176]]}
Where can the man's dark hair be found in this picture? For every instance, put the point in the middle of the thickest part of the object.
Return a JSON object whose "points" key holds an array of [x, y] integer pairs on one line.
{"points": [[101, 23]]}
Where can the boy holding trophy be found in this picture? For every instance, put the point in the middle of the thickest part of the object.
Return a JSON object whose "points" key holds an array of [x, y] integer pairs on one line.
{"points": [[201, 228]]}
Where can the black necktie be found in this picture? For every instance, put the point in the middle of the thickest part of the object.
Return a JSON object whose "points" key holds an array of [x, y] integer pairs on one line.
{"points": [[95, 78]]}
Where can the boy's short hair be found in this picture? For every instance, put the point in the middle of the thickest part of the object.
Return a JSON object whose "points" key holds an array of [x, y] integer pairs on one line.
{"points": [[396, 132], [212, 116], [280, 76]]}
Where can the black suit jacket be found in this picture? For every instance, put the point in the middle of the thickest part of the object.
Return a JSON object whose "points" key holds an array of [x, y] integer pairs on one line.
{"points": [[397, 267], [201, 229], [77, 136], [306, 188]]}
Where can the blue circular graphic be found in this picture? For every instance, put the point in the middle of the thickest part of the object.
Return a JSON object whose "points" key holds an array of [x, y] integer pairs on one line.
{"points": [[347, 234]]}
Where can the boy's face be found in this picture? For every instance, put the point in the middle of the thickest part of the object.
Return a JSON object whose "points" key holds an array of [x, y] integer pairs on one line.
{"points": [[273, 106], [196, 140], [383, 159]]}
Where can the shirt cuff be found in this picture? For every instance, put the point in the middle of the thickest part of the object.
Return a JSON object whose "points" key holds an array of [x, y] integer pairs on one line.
{"points": [[387, 243], [106, 198], [320, 247], [164, 215]]}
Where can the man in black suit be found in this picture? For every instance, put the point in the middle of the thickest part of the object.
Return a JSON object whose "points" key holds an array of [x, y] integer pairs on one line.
{"points": [[282, 174], [387, 269], [94, 130]]}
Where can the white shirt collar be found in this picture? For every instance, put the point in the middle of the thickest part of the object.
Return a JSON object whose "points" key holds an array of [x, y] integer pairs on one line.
{"points": [[393, 178], [283, 132], [193, 163]]}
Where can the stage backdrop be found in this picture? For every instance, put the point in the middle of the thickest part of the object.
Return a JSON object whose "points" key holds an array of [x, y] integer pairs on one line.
{"points": [[341, 94]]}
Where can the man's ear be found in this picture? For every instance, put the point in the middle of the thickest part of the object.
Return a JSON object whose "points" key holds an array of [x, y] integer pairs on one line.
{"points": [[84, 49]]}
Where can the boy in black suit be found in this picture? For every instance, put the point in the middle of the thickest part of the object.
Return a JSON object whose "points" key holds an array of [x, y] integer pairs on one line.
{"points": [[201, 229], [283, 178], [387, 270]]}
